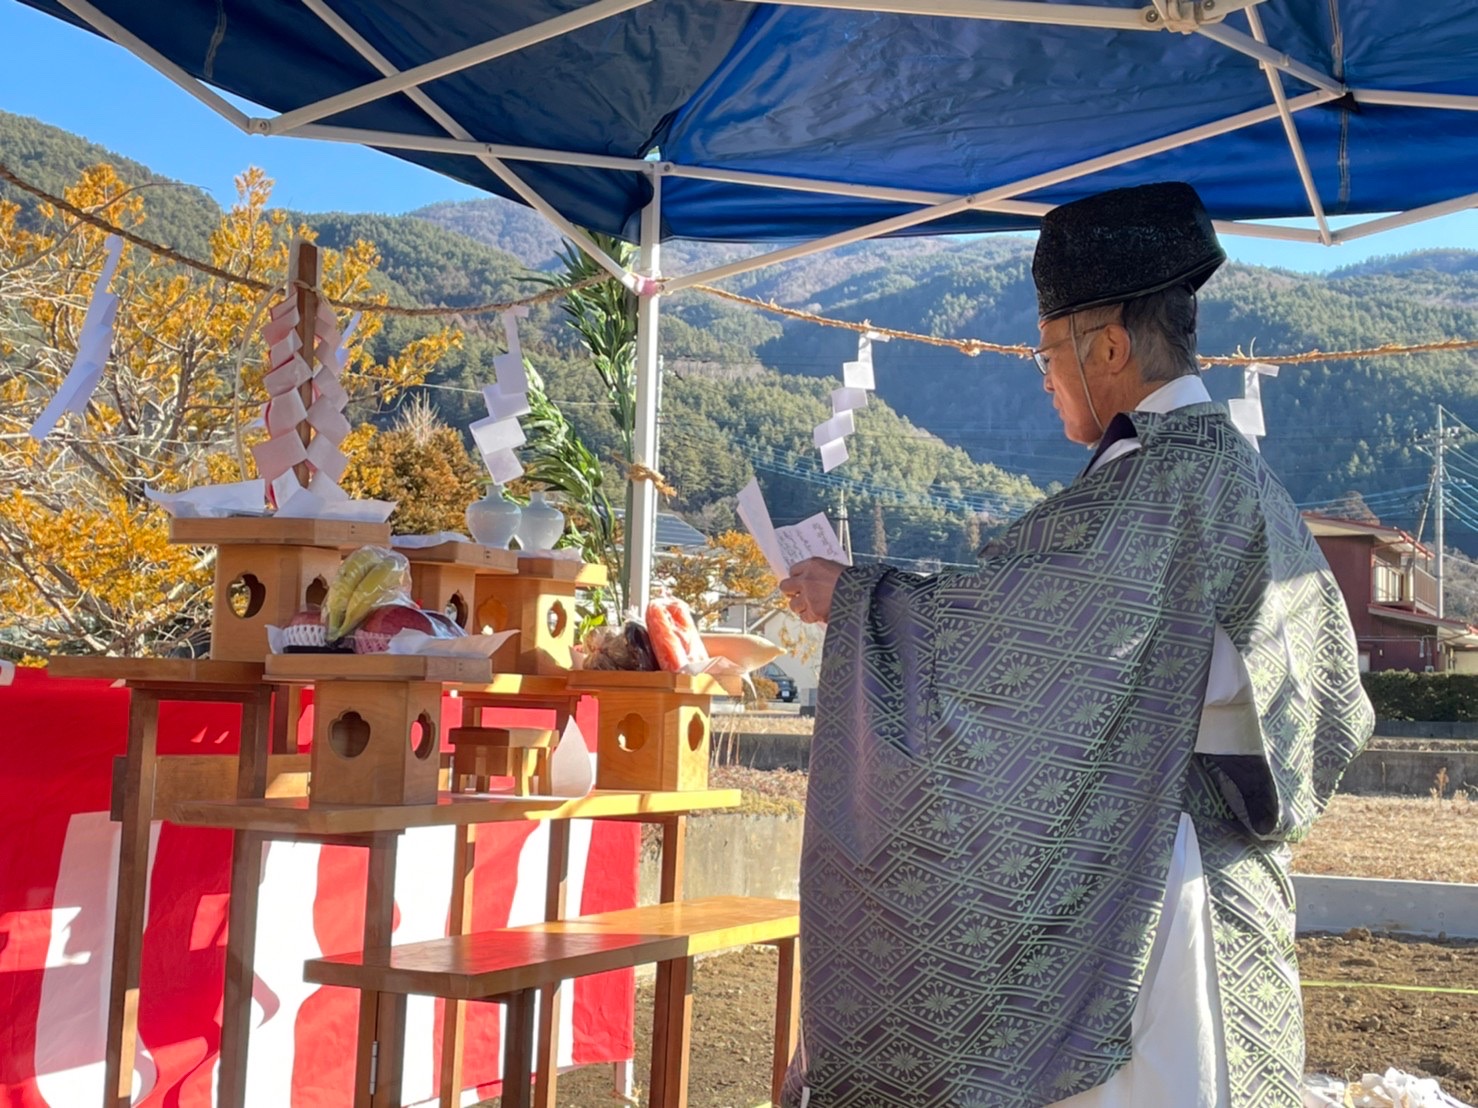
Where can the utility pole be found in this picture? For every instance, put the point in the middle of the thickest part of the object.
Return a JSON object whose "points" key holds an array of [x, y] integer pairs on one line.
{"points": [[844, 528], [1441, 505]]}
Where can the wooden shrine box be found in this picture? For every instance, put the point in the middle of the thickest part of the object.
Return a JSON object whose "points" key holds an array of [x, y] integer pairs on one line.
{"points": [[376, 722], [654, 728], [267, 570], [444, 577], [539, 602], [520, 753]]}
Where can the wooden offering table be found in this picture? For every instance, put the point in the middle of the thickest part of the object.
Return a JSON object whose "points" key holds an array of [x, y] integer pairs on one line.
{"points": [[366, 706], [376, 827]]}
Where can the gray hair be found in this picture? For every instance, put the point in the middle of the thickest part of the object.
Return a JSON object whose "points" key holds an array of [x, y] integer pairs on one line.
{"points": [[1162, 330]]}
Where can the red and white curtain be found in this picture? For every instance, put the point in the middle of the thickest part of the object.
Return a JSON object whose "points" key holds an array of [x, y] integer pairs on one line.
{"points": [[58, 857]]}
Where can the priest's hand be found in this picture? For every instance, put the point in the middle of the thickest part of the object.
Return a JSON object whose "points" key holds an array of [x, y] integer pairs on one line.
{"points": [[809, 588]]}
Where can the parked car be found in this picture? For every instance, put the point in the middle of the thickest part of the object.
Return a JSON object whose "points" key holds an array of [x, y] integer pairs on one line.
{"points": [[784, 686]]}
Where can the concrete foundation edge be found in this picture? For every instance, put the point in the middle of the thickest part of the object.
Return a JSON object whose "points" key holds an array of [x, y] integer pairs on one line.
{"points": [[755, 855]]}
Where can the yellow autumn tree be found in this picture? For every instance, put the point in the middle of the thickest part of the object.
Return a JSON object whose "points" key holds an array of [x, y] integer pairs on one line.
{"points": [[730, 570], [85, 566], [420, 463]]}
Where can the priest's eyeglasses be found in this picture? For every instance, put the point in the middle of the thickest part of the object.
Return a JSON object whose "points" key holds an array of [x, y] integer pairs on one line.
{"points": [[1040, 356]]}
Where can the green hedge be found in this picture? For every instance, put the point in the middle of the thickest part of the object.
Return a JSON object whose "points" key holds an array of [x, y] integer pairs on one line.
{"points": [[1401, 694]]}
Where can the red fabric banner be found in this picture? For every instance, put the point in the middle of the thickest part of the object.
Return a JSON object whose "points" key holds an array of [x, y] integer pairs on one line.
{"points": [[58, 857]]}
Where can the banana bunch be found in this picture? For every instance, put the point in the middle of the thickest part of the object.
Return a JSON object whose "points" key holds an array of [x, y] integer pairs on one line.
{"points": [[369, 577]]}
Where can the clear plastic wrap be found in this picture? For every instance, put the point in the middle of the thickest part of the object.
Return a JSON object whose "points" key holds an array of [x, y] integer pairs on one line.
{"points": [[382, 624], [627, 647], [675, 639], [372, 577]]}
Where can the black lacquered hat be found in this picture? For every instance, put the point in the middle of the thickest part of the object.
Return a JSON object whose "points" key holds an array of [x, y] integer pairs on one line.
{"points": [[1117, 245]]}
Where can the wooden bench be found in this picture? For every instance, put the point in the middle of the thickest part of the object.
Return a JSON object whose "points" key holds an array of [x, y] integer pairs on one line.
{"points": [[511, 965]]}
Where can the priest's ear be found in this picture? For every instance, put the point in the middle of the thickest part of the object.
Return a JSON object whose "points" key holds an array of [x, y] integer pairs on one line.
{"points": [[1115, 349]]}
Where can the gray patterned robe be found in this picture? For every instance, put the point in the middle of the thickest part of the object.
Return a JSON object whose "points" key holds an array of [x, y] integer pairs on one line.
{"points": [[1000, 761]]}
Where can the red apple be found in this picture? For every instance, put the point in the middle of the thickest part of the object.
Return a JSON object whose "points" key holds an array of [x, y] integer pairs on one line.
{"points": [[380, 626]]}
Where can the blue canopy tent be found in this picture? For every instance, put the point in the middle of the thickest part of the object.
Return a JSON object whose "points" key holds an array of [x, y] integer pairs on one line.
{"points": [[831, 121]]}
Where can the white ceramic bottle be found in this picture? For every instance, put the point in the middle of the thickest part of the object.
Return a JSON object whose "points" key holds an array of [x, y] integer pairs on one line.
{"points": [[494, 520], [542, 524]]}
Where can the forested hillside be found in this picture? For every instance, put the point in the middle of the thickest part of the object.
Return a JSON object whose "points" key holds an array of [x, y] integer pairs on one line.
{"points": [[1333, 427], [958, 442], [726, 414]]}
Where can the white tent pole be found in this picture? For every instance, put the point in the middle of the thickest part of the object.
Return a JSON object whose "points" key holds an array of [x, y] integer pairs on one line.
{"points": [[1295, 144], [918, 196], [1259, 49], [1001, 192], [137, 46], [1021, 11], [1399, 99], [445, 119], [1405, 219], [643, 521], [442, 67], [434, 144]]}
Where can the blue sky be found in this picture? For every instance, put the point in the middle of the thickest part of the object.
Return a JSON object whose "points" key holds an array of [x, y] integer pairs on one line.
{"points": [[77, 81]]}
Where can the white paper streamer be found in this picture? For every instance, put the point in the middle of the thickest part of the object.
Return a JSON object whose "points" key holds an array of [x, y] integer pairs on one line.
{"points": [[326, 419], [280, 324], [493, 435], [284, 348], [330, 391], [277, 456], [284, 412], [94, 343], [505, 405], [858, 375], [510, 320], [499, 435], [287, 377], [1246, 412], [503, 466], [327, 458], [837, 427], [857, 380], [513, 379]]}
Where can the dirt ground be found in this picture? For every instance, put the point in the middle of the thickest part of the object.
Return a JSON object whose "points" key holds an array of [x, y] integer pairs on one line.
{"points": [[1350, 1029]]}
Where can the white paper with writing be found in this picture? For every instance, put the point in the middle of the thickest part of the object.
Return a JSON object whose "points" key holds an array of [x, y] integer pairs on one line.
{"points": [[783, 547]]}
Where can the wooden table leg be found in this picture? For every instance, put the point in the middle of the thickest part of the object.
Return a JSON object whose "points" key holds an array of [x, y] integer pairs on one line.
{"points": [[381, 1015], [674, 848], [518, 1048], [454, 1012], [132, 891], [674, 1000], [287, 710], [546, 1062], [257, 725], [787, 1011]]}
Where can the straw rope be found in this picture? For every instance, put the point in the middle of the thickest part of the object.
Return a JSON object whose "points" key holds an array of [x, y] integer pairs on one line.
{"points": [[972, 347], [257, 285], [969, 347]]}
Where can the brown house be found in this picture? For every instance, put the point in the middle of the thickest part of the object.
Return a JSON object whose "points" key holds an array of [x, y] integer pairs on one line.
{"points": [[1386, 577]]}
